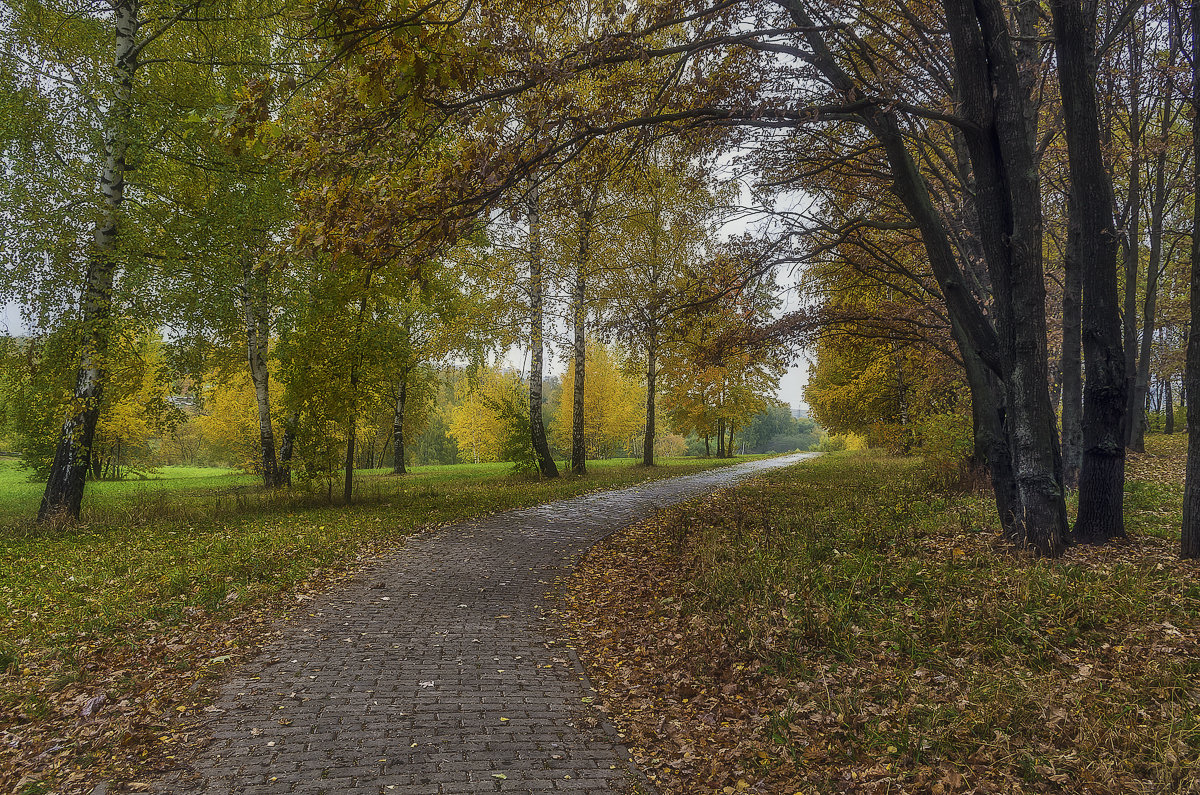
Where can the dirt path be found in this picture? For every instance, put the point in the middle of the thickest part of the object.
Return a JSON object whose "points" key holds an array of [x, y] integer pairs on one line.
{"points": [[433, 671]]}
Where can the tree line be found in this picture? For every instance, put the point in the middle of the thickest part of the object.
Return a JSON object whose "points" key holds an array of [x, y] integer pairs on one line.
{"points": [[1004, 189]]}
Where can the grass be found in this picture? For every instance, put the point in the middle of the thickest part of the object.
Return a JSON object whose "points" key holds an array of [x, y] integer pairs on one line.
{"points": [[839, 627], [152, 549], [164, 582]]}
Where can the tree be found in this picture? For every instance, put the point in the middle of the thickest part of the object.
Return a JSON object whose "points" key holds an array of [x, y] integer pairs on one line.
{"points": [[490, 423], [612, 405], [668, 229], [1102, 472], [1190, 538]]}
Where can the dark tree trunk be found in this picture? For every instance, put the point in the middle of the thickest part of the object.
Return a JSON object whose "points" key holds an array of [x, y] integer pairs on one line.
{"points": [[651, 379], [64, 486], [1072, 356], [707, 446], [1190, 538], [537, 427], [991, 438], [352, 424], [1007, 194], [378, 463], [721, 438], [398, 426], [1102, 470], [974, 334], [286, 445], [348, 483]]}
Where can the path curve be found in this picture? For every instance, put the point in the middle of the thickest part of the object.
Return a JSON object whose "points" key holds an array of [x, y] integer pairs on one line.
{"points": [[432, 670]]}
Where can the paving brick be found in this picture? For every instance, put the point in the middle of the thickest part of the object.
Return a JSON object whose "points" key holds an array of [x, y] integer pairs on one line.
{"points": [[402, 675]]}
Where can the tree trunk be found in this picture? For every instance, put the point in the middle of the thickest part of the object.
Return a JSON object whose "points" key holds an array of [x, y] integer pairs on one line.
{"points": [[1158, 203], [1102, 470], [537, 428], [286, 445], [1131, 243], [1007, 194], [1168, 408], [1036, 461], [1189, 546], [651, 419], [378, 463], [254, 311], [578, 448], [64, 486], [707, 446], [352, 423], [1072, 356], [348, 482], [398, 426], [721, 437]]}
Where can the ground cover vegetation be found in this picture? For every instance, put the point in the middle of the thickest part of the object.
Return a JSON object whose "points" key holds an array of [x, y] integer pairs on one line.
{"points": [[298, 237], [165, 585], [835, 628]]}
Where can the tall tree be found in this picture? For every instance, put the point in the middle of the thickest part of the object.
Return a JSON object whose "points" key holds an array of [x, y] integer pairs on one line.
{"points": [[64, 485], [1190, 539], [1102, 471]]}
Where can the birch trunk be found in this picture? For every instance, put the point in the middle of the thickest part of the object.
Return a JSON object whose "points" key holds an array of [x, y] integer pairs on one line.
{"points": [[254, 310], [537, 428], [1168, 407], [64, 486]]}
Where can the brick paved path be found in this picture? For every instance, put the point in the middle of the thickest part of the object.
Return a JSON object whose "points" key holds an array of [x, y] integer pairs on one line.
{"points": [[432, 671]]}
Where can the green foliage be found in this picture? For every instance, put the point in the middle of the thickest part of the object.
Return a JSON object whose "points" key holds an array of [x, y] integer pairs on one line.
{"points": [[511, 409], [775, 430]]}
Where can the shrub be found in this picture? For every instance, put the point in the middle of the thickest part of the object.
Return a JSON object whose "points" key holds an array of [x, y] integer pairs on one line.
{"points": [[946, 447]]}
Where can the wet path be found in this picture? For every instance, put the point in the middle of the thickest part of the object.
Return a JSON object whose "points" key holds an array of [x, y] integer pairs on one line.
{"points": [[431, 671]]}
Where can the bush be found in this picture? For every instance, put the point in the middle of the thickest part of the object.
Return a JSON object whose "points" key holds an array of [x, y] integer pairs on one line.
{"points": [[841, 441], [946, 447], [893, 437]]}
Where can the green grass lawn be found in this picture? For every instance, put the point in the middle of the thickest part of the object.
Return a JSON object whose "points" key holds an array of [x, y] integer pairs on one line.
{"points": [[189, 537], [163, 576]]}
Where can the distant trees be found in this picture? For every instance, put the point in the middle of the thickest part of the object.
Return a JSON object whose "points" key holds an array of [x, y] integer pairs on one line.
{"points": [[613, 405]]}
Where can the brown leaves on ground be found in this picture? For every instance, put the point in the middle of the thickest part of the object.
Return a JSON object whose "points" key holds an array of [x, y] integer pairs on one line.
{"points": [[131, 709], [910, 654], [1163, 462]]}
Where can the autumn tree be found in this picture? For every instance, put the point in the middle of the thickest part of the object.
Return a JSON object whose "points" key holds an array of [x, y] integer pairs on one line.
{"points": [[612, 405]]}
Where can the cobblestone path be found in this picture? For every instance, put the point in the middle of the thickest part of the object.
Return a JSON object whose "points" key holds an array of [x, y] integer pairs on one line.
{"points": [[434, 671]]}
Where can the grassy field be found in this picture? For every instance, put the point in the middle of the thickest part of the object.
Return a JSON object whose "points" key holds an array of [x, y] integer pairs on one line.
{"points": [[165, 575], [837, 627]]}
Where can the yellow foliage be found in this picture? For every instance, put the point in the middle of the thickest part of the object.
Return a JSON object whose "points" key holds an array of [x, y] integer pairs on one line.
{"points": [[229, 424], [475, 424], [613, 405]]}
